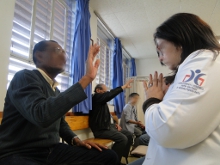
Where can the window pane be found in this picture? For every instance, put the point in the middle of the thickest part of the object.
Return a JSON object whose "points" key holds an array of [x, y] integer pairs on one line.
{"points": [[42, 24], [21, 30], [59, 23], [17, 65], [42, 20]]}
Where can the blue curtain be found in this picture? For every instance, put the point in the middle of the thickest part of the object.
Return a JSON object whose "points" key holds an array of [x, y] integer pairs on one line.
{"points": [[119, 100], [81, 43], [133, 68]]}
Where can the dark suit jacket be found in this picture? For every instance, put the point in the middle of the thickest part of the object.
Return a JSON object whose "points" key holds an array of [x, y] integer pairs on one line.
{"points": [[33, 113], [99, 116]]}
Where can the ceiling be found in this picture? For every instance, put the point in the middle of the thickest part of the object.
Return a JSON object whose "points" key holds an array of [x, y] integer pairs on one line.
{"points": [[134, 21]]}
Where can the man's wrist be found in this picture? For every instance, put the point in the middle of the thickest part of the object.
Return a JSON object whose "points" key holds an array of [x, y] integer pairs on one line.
{"points": [[73, 141], [85, 81], [88, 77], [123, 87]]}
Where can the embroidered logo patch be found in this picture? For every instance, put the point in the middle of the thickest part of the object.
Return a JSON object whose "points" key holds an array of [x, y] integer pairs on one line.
{"points": [[192, 82], [195, 76]]}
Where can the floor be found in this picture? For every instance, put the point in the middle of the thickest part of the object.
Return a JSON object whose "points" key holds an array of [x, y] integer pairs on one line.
{"points": [[130, 159]]}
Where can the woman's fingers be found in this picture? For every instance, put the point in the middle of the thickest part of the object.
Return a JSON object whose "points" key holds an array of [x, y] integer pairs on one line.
{"points": [[155, 79], [145, 85], [150, 83], [160, 80]]}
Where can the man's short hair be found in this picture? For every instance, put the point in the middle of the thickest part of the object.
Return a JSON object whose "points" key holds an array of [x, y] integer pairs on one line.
{"points": [[40, 46], [169, 79], [133, 95], [98, 86]]}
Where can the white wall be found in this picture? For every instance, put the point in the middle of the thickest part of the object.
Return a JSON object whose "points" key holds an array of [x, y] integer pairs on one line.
{"points": [[149, 66], [6, 19]]}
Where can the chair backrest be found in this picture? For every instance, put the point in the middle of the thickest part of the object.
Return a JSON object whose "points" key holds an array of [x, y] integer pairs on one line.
{"points": [[77, 122]]}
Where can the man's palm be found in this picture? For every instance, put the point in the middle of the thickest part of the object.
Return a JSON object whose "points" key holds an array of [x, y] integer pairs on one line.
{"points": [[91, 69]]}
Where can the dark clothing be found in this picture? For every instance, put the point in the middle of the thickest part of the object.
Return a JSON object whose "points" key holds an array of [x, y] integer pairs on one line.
{"points": [[123, 140], [144, 139], [62, 154], [100, 123], [33, 123], [150, 102], [32, 116], [137, 132], [99, 116]]}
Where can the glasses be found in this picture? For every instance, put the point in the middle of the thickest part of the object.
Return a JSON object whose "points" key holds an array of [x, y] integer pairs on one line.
{"points": [[59, 51]]}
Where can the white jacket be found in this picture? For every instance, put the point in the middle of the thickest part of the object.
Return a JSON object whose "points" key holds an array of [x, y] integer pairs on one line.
{"points": [[185, 127]]}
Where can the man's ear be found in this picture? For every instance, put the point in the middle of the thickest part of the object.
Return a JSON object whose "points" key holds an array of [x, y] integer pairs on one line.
{"points": [[39, 57]]}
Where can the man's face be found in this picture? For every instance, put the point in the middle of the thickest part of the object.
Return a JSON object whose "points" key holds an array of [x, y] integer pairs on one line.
{"points": [[165, 86], [134, 99], [53, 58], [103, 90]]}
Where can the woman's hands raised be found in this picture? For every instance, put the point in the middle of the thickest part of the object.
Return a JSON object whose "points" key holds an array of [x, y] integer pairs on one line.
{"points": [[154, 87]]}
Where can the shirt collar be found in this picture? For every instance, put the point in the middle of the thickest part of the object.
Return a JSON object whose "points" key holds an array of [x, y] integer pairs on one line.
{"points": [[53, 83]]}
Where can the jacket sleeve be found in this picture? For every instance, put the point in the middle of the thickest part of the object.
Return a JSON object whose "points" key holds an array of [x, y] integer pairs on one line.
{"points": [[150, 102], [107, 96], [188, 113], [65, 132], [25, 93]]}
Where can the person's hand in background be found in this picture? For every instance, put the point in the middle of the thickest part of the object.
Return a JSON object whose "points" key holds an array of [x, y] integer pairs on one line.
{"points": [[141, 125], [118, 127], [127, 84]]}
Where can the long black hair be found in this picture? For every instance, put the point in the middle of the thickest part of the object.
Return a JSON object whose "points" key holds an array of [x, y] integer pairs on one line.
{"points": [[189, 32]]}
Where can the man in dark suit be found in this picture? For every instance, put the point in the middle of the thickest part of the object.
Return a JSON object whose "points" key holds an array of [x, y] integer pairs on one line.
{"points": [[34, 110], [100, 120]]}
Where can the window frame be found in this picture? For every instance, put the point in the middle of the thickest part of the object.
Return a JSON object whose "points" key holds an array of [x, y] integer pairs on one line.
{"points": [[29, 60]]}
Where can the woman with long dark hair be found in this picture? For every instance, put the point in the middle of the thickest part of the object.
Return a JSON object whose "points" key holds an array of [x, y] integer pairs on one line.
{"points": [[184, 124]]}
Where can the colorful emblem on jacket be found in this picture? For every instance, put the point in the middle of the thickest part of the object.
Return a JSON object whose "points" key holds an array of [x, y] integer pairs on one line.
{"points": [[196, 76]]}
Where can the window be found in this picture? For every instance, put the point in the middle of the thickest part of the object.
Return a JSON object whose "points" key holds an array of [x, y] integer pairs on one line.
{"points": [[125, 65], [36, 20], [105, 71], [104, 74]]}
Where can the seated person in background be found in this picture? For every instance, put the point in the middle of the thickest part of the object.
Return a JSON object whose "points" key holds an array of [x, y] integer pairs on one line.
{"points": [[100, 120], [168, 80], [144, 139], [34, 110], [129, 120]]}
